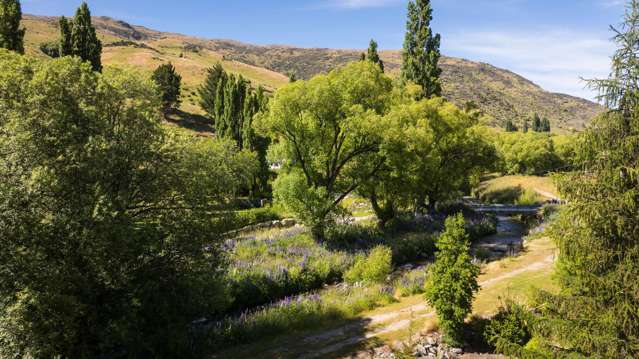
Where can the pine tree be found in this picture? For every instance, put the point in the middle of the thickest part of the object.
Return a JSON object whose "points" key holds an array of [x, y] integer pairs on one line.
{"points": [[169, 83], [596, 313], [86, 44], [420, 58], [66, 42], [212, 92], [525, 129], [453, 283], [373, 55], [11, 35], [510, 126], [545, 125], [537, 126]]}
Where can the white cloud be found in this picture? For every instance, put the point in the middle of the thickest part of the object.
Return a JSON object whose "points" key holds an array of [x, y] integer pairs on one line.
{"points": [[554, 59]]}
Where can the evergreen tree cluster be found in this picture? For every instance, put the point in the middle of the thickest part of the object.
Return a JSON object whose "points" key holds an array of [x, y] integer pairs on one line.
{"points": [[539, 124], [232, 104], [169, 82], [78, 38], [420, 58], [11, 35]]}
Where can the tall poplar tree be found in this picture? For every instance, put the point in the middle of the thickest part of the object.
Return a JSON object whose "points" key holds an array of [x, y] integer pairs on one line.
{"points": [[596, 313], [86, 44], [373, 55], [11, 35], [420, 58], [66, 42]]}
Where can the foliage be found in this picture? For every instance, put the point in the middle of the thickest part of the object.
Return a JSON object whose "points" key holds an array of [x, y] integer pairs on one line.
{"points": [[85, 42], [65, 46], [328, 130], [412, 283], [526, 153], [108, 259], [430, 152], [372, 268], [373, 56], [51, 49], [232, 104], [303, 312], [511, 127], [511, 325], [253, 216], [11, 35], [596, 312], [420, 57], [453, 279], [168, 82], [263, 270]]}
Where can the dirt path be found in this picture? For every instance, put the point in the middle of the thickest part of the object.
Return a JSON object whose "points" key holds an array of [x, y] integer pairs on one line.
{"points": [[396, 320]]}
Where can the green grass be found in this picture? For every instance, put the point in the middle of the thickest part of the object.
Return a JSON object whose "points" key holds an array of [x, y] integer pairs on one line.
{"points": [[523, 190]]}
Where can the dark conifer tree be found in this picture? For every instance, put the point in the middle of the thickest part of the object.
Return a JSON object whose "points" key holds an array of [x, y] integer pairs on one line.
{"points": [[11, 35], [66, 41], [596, 312], [420, 58], [169, 83], [86, 44], [373, 55], [525, 129], [537, 126]]}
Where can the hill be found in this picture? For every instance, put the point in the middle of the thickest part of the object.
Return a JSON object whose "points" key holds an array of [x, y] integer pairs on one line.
{"points": [[499, 93]]}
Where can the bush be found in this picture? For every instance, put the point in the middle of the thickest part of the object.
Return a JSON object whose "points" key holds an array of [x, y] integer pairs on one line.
{"points": [[51, 49], [254, 216], [511, 325], [373, 268], [412, 283]]}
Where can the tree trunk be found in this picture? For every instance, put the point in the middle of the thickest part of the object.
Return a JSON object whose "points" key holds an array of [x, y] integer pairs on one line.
{"points": [[384, 213]]}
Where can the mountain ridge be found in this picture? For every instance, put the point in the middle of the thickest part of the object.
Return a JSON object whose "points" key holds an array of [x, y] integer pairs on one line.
{"points": [[500, 93]]}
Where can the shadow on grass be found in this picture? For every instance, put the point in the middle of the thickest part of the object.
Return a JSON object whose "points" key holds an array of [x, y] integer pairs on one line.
{"points": [[319, 337], [193, 122], [508, 195]]}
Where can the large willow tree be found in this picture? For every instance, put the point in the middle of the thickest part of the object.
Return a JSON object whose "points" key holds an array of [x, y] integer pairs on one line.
{"points": [[597, 311]]}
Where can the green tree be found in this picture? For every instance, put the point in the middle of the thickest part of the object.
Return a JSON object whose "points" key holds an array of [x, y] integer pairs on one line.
{"points": [[212, 92], [526, 126], [537, 126], [596, 313], [510, 126], [11, 35], [66, 41], [328, 131], [452, 283], [373, 56], [86, 44], [169, 83], [420, 57], [117, 252], [430, 151]]}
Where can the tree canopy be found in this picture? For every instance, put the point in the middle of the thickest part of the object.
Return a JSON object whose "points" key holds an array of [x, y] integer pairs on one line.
{"points": [[78, 38], [108, 248], [11, 35], [328, 130]]}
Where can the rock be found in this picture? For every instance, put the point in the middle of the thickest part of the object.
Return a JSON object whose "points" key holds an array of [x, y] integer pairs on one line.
{"points": [[288, 222], [457, 351]]}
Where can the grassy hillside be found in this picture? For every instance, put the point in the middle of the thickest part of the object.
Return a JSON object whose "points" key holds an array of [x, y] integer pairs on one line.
{"points": [[499, 93]]}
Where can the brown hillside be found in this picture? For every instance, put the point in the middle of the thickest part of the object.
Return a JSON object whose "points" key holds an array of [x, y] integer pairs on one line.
{"points": [[500, 93]]}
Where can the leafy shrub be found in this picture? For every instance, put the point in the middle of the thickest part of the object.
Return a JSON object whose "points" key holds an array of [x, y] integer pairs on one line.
{"points": [[51, 48], [528, 198], [511, 325], [265, 270], [253, 216], [412, 283], [296, 313], [374, 267]]}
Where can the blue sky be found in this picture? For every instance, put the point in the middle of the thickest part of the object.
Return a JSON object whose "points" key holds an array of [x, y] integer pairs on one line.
{"points": [[552, 42]]}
